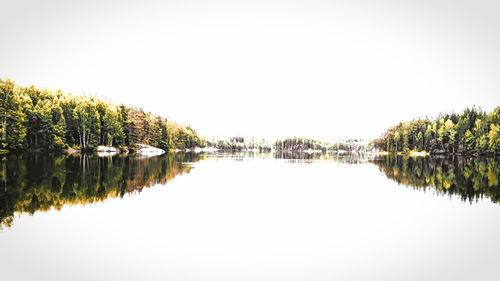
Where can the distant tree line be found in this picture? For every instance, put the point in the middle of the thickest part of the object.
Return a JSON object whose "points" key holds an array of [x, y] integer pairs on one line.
{"points": [[471, 132], [33, 119], [287, 144], [240, 143], [303, 144]]}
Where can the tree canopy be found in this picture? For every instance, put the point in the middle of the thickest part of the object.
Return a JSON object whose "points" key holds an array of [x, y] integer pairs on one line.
{"points": [[470, 132], [33, 119]]}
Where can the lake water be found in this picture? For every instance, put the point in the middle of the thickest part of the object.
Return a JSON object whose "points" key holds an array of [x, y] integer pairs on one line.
{"points": [[248, 217]]}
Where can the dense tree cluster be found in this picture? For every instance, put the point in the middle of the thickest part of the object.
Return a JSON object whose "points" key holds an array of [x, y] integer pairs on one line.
{"points": [[36, 119], [303, 144], [288, 144], [240, 144], [298, 144], [471, 132]]}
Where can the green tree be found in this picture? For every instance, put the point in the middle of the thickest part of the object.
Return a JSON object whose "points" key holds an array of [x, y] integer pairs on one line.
{"points": [[494, 138], [13, 105]]}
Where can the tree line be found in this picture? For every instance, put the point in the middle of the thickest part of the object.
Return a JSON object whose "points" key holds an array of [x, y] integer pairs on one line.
{"points": [[304, 144], [240, 144], [34, 119], [472, 132], [298, 144]]}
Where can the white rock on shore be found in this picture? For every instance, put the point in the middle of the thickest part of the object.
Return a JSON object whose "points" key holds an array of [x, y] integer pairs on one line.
{"points": [[106, 151], [102, 148], [147, 150]]}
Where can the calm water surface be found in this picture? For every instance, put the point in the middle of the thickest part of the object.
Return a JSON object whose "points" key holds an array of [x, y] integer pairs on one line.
{"points": [[248, 217]]}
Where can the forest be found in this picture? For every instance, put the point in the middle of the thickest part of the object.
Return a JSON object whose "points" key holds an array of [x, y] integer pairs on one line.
{"points": [[34, 119], [43, 120], [472, 132]]}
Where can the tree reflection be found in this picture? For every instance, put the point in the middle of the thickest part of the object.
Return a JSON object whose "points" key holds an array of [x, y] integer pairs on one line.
{"points": [[305, 157], [37, 182], [469, 178]]}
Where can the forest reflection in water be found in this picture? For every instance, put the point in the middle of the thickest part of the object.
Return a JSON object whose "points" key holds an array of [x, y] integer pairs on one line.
{"points": [[39, 182], [294, 156], [471, 179]]}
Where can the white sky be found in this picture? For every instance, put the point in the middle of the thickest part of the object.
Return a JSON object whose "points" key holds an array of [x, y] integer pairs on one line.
{"points": [[321, 69]]}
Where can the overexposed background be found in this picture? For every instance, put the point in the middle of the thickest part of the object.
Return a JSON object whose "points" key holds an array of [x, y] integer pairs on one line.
{"points": [[320, 69]]}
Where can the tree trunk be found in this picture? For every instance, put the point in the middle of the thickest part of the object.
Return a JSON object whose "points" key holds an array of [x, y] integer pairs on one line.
{"points": [[84, 145]]}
